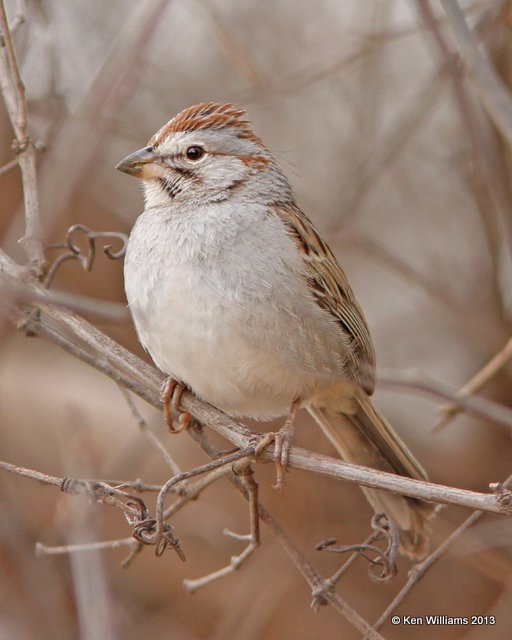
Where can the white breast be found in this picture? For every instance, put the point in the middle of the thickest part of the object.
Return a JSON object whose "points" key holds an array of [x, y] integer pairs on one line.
{"points": [[219, 302]]}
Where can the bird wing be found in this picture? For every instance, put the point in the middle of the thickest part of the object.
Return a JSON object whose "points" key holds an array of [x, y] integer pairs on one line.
{"points": [[332, 292]]}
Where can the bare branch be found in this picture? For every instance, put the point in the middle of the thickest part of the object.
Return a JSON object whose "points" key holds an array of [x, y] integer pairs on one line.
{"points": [[13, 91], [112, 83], [95, 489]]}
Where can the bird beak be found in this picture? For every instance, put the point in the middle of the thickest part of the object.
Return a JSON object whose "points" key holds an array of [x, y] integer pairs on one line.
{"points": [[143, 164]]}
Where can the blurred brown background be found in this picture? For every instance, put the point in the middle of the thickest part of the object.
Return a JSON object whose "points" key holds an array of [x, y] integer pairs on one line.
{"points": [[392, 156]]}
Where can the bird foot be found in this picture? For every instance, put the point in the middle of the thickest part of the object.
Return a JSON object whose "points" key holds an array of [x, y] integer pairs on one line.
{"points": [[282, 440], [170, 396]]}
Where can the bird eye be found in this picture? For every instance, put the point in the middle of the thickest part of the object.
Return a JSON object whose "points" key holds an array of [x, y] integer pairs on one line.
{"points": [[194, 153]]}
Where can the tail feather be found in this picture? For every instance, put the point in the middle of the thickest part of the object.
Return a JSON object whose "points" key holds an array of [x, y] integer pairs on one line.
{"points": [[367, 439]]}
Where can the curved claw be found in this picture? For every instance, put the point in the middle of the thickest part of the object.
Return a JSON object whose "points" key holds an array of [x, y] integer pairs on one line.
{"points": [[282, 440], [170, 396]]}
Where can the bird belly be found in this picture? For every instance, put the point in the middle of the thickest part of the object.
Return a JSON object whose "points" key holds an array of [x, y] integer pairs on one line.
{"points": [[203, 341]]}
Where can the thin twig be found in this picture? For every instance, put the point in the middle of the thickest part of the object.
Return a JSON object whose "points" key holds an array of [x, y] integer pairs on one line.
{"points": [[136, 485], [97, 490], [194, 490], [386, 558], [73, 251], [244, 471], [113, 83], [44, 550], [148, 434], [8, 166]]}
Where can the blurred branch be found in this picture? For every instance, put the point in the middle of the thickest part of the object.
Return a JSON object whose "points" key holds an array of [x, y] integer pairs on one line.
{"points": [[405, 125], [474, 405], [16, 22], [410, 274], [44, 550], [147, 433], [488, 371], [493, 93], [8, 166], [294, 84], [15, 291], [13, 92], [240, 57], [458, 311]]}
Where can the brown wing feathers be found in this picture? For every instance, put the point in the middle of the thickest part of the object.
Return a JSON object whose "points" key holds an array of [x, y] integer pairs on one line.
{"points": [[332, 291]]}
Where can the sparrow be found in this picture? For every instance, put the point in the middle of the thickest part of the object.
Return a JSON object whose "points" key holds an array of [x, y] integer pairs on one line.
{"points": [[236, 296]]}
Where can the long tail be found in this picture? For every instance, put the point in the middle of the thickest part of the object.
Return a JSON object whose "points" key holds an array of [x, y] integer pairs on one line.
{"points": [[367, 439]]}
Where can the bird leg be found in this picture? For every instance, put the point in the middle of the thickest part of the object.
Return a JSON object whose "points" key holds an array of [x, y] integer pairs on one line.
{"points": [[170, 396], [282, 440]]}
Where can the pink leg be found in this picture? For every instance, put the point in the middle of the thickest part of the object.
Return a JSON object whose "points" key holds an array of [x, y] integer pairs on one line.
{"points": [[282, 442]]}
